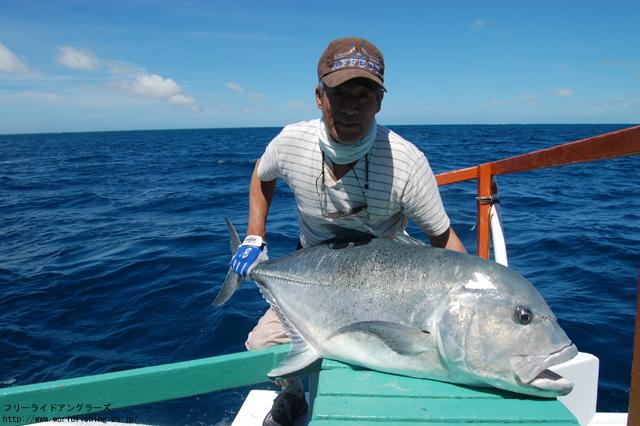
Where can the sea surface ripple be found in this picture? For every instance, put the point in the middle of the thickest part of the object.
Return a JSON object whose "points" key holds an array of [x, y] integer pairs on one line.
{"points": [[113, 245]]}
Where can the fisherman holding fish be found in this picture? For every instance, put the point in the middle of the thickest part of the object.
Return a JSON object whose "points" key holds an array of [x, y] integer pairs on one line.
{"points": [[352, 180]]}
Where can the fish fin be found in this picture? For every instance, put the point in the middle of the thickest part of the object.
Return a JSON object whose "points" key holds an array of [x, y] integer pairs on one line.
{"points": [[234, 238], [229, 286], [232, 280], [302, 359], [302, 356], [400, 338], [408, 239]]}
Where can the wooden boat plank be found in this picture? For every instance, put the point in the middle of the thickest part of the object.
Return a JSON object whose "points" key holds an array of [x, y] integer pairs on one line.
{"points": [[351, 396], [442, 411], [373, 383]]}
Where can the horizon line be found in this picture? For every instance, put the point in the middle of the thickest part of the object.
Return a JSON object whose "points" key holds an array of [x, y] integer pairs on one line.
{"points": [[62, 132]]}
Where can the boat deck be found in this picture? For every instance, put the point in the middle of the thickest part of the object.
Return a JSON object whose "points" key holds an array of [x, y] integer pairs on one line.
{"points": [[348, 397]]}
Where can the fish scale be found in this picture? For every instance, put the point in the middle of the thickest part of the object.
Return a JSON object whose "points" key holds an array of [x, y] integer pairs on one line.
{"points": [[333, 280]]}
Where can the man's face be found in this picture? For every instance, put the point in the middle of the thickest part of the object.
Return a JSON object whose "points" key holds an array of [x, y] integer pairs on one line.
{"points": [[349, 109]]}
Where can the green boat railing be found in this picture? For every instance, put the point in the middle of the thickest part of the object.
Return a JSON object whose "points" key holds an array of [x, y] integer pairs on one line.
{"points": [[101, 393]]}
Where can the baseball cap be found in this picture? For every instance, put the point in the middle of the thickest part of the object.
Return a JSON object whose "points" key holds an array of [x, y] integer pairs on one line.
{"points": [[352, 57]]}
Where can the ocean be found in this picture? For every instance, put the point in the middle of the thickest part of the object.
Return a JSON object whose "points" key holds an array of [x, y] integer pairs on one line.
{"points": [[113, 245]]}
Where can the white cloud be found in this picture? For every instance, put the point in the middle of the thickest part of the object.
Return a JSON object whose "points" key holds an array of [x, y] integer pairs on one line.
{"points": [[79, 59], [235, 87], [156, 87], [527, 99], [71, 57], [478, 23], [239, 89], [183, 101], [9, 62], [563, 91]]}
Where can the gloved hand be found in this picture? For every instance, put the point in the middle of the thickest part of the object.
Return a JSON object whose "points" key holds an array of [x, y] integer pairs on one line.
{"points": [[252, 251]]}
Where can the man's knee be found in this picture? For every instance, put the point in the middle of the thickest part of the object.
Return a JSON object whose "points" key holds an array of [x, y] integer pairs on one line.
{"points": [[256, 340], [268, 332]]}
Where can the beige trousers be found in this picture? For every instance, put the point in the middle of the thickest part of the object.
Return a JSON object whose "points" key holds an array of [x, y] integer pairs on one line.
{"points": [[269, 332]]}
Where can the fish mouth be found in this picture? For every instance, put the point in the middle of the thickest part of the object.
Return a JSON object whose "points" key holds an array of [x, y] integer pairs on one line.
{"points": [[533, 370]]}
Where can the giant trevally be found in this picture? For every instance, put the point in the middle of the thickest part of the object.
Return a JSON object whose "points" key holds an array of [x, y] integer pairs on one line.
{"points": [[401, 307]]}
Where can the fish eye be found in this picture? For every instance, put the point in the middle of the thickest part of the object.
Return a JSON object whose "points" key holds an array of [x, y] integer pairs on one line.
{"points": [[523, 315]]}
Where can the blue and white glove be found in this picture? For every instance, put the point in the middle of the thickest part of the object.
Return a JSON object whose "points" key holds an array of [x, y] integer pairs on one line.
{"points": [[252, 251]]}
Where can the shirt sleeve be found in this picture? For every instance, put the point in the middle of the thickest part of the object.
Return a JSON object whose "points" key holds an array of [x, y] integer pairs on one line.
{"points": [[421, 199], [269, 168]]}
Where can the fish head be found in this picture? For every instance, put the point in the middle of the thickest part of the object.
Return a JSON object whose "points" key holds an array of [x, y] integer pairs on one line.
{"points": [[495, 329]]}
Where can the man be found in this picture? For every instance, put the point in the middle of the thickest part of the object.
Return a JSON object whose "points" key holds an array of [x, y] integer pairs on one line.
{"points": [[351, 179]]}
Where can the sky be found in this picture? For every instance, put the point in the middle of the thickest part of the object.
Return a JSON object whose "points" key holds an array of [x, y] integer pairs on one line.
{"points": [[137, 64]]}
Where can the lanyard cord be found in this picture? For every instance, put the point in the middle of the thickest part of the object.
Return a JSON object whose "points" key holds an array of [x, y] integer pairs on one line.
{"points": [[366, 173]]}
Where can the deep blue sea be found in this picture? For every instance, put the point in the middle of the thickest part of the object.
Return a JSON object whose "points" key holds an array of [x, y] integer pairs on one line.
{"points": [[113, 245]]}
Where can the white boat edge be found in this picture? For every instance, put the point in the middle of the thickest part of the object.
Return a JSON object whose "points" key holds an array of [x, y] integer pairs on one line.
{"points": [[582, 371]]}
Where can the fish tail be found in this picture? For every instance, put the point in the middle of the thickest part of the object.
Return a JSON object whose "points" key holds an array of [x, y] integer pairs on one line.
{"points": [[229, 286], [234, 238], [232, 281]]}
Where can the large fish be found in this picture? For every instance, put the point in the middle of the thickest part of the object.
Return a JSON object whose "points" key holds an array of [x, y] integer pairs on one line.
{"points": [[401, 307]]}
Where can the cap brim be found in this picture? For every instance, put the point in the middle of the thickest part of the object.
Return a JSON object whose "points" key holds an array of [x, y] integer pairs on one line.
{"points": [[338, 77]]}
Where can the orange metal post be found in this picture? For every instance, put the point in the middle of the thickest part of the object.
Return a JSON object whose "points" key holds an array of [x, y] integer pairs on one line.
{"points": [[633, 418], [484, 195]]}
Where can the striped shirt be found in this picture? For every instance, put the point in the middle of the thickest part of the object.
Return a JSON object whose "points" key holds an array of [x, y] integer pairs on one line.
{"points": [[401, 185]]}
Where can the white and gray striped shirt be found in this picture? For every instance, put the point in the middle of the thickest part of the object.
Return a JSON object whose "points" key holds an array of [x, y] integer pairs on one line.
{"points": [[401, 186]]}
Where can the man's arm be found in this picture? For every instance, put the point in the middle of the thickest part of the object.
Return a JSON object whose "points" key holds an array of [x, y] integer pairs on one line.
{"points": [[448, 240], [260, 196], [252, 249]]}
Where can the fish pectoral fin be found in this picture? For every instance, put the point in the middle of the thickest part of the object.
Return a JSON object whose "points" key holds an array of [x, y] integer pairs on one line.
{"points": [[301, 360], [400, 338]]}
